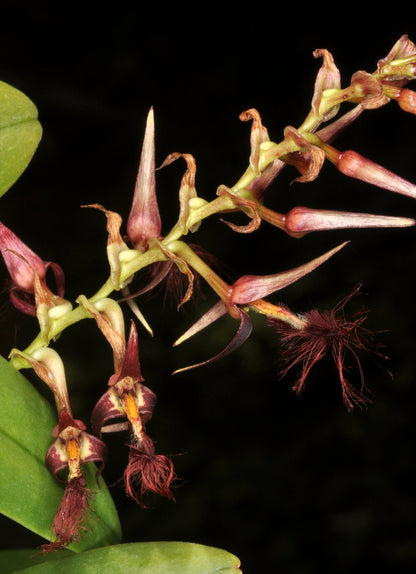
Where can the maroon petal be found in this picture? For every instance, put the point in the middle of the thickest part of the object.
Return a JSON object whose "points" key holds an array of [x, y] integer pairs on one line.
{"points": [[131, 364], [108, 407], [59, 277], [23, 301]]}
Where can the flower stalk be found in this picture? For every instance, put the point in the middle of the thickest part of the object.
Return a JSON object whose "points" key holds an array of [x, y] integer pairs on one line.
{"points": [[146, 247]]}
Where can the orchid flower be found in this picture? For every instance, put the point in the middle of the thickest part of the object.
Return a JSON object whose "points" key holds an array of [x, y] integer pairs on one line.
{"points": [[72, 448], [132, 402], [248, 293]]}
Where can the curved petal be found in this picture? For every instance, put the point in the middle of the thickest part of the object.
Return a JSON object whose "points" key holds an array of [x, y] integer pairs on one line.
{"points": [[108, 407], [250, 288], [243, 332], [217, 311]]}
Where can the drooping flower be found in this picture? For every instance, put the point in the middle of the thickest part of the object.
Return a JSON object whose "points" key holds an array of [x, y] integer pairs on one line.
{"points": [[24, 265], [72, 448], [322, 333], [129, 401]]}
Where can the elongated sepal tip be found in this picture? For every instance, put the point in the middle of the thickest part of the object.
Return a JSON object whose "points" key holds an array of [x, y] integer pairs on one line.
{"points": [[302, 220], [354, 165], [144, 219]]}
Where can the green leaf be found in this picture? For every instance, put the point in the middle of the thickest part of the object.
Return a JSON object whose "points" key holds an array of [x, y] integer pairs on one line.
{"points": [[29, 494], [20, 134], [15, 560], [143, 557]]}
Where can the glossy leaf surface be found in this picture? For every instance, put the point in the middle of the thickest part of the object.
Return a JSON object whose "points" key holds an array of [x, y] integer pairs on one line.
{"points": [[20, 133], [143, 557]]}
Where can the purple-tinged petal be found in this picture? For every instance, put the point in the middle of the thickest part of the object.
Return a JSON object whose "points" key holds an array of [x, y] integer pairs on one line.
{"points": [[22, 301], [333, 129], [108, 407], [355, 165], [252, 287], [92, 450], [89, 448], [327, 78], [259, 184], [302, 220], [242, 334], [131, 364], [399, 66], [59, 277], [217, 311], [258, 135], [144, 220], [56, 458], [20, 260]]}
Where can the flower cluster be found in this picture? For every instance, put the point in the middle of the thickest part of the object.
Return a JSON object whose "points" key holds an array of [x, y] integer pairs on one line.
{"points": [[127, 404]]}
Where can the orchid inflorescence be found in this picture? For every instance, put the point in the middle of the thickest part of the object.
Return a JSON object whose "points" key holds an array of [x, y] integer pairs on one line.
{"points": [[128, 404]]}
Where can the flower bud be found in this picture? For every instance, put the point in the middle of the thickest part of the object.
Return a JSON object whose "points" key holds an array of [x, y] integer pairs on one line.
{"points": [[405, 98], [20, 260], [302, 220], [144, 220], [353, 164], [249, 288], [28, 274]]}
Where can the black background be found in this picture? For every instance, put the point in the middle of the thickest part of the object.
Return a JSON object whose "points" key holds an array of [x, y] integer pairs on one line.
{"points": [[288, 484]]}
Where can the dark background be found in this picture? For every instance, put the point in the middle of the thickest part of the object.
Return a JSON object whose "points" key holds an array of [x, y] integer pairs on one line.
{"points": [[289, 484]]}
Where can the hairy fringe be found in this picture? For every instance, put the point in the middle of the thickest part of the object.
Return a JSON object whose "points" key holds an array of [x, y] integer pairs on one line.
{"points": [[148, 472], [328, 332], [70, 516]]}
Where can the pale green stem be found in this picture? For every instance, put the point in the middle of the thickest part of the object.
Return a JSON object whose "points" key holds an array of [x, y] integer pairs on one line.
{"points": [[221, 288]]}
